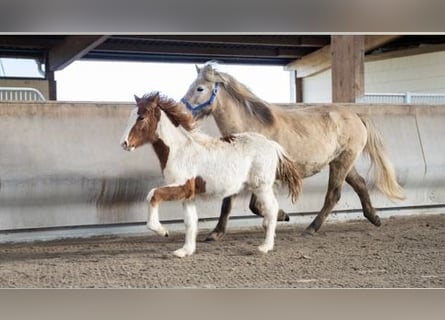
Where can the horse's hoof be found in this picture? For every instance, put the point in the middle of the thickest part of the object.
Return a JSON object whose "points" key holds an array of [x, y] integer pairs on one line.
{"points": [[162, 232], [158, 229], [282, 216], [215, 236], [308, 233], [181, 253], [373, 218], [265, 248], [376, 221]]}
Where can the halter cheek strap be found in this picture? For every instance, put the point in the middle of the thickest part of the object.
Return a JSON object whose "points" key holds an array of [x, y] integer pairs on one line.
{"points": [[199, 107]]}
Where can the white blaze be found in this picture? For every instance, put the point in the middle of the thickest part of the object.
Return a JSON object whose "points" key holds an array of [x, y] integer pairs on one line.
{"points": [[131, 122]]}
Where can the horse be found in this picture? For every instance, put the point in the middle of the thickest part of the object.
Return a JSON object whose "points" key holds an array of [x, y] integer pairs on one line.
{"points": [[315, 137], [198, 166]]}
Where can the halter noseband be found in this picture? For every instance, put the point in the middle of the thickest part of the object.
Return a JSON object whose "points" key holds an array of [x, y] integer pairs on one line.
{"points": [[199, 107]]}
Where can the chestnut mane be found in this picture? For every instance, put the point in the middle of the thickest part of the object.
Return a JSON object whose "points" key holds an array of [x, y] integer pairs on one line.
{"points": [[175, 111]]}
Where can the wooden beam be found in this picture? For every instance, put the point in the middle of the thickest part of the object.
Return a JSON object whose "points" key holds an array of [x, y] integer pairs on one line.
{"points": [[71, 49], [430, 48], [309, 41], [312, 63], [374, 41], [174, 48], [320, 60], [347, 67], [29, 41]]}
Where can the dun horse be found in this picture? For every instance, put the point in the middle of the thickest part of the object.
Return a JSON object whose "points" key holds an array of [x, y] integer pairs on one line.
{"points": [[315, 137], [196, 165]]}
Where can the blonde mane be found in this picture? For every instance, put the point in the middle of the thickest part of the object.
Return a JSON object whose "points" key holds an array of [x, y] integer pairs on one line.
{"points": [[254, 107]]}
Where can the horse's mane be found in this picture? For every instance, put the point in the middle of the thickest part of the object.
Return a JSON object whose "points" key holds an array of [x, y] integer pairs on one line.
{"points": [[253, 105], [175, 111]]}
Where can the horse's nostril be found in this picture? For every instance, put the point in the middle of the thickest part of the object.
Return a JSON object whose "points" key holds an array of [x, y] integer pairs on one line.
{"points": [[124, 144]]}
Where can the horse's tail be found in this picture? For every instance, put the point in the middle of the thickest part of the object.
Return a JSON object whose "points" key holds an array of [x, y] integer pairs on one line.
{"points": [[287, 172], [384, 172]]}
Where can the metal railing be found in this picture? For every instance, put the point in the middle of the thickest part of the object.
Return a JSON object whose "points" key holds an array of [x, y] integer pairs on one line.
{"points": [[20, 94], [401, 98]]}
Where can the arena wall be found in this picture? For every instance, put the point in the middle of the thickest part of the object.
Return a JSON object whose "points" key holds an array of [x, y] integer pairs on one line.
{"points": [[61, 167]]}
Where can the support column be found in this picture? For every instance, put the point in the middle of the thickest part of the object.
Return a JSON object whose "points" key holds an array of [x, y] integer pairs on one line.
{"points": [[347, 53], [298, 89], [51, 85]]}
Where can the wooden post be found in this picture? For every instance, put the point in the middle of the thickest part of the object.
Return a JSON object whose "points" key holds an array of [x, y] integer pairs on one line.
{"points": [[298, 89], [51, 85], [347, 54]]}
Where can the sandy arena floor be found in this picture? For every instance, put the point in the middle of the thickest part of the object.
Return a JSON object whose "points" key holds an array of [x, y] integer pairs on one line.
{"points": [[403, 252]]}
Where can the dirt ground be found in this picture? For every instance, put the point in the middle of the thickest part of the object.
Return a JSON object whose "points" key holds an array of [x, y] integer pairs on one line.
{"points": [[403, 252]]}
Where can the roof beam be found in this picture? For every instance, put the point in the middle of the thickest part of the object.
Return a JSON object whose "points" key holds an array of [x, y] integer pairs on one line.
{"points": [[27, 41], [174, 48], [71, 49], [265, 40], [429, 48], [320, 60]]}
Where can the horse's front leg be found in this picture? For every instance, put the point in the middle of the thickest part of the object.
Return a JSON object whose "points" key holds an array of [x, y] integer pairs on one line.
{"points": [[191, 230], [153, 222], [166, 193]]}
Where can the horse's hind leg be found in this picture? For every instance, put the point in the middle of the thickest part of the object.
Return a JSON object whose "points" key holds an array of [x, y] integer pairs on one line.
{"points": [[226, 207], [253, 206], [358, 184], [220, 229], [338, 170], [269, 206]]}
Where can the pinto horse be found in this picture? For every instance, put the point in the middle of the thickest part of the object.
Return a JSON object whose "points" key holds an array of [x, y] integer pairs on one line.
{"points": [[315, 137], [196, 165]]}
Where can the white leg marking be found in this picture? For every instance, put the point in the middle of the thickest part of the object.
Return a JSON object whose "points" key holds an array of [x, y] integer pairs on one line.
{"points": [[270, 205], [153, 222], [191, 230]]}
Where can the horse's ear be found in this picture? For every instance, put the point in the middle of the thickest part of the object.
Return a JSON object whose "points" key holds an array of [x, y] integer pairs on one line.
{"points": [[198, 70], [156, 97], [137, 99]]}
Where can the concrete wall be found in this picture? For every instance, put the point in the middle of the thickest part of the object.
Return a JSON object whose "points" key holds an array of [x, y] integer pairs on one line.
{"points": [[61, 165], [40, 85], [419, 73]]}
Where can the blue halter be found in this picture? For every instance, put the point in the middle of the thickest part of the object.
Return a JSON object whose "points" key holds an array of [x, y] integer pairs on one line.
{"points": [[199, 107]]}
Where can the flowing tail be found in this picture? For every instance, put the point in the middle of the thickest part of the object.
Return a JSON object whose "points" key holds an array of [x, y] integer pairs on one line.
{"points": [[287, 172], [385, 176]]}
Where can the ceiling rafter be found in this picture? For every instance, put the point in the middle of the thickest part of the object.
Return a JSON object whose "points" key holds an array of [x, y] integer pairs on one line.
{"points": [[71, 49], [169, 48], [320, 60], [259, 40], [307, 51]]}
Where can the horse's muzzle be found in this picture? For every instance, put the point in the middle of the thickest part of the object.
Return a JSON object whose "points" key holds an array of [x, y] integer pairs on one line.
{"points": [[126, 147]]}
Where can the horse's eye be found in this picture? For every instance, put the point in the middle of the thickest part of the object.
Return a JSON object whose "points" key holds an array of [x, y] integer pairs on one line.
{"points": [[140, 118], [200, 89]]}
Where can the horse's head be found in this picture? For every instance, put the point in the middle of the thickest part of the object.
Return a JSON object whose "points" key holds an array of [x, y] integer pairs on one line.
{"points": [[142, 123], [203, 92]]}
